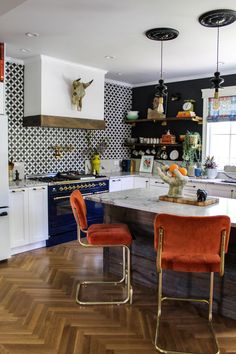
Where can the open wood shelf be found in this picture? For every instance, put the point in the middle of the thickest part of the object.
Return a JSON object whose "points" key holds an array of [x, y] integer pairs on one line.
{"points": [[164, 120], [150, 144]]}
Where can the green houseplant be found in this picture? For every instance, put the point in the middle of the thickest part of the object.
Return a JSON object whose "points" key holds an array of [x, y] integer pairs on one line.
{"points": [[191, 151]]}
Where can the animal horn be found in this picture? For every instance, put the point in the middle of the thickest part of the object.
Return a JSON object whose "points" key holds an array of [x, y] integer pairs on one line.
{"points": [[87, 84]]}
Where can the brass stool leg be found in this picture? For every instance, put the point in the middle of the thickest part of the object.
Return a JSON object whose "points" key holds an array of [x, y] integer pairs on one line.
{"points": [[159, 303], [125, 279]]}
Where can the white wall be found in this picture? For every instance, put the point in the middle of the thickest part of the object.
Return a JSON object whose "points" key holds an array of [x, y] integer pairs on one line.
{"points": [[48, 84]]}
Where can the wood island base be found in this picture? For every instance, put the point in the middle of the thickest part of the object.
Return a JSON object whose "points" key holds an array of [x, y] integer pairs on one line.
{"points": [[143, 263]]}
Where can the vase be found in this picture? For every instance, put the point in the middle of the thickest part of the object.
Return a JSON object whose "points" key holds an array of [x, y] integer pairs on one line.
{"points": [[211, 173], [96, 163]]}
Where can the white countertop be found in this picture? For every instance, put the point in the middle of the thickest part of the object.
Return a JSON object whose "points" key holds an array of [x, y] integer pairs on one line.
{"points": [[29, 183], [150, 175], [144, 200], [25, 184]]}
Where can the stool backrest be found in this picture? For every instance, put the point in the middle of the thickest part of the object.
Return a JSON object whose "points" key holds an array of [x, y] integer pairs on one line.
{"points": [[192, 234], [79, 209]]}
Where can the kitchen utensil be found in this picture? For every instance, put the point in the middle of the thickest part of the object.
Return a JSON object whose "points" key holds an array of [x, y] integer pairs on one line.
{"points": [[164, 155], [174, 154]]}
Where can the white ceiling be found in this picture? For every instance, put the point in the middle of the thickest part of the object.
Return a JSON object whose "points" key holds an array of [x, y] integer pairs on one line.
{"points": [[85, 31]]}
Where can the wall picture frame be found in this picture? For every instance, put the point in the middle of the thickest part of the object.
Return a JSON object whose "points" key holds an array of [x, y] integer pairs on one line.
{"points": [[146, 163]]}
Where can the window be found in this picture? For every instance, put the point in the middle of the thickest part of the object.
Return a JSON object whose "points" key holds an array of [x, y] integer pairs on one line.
{"points": [[219, 127], [221, 142]]}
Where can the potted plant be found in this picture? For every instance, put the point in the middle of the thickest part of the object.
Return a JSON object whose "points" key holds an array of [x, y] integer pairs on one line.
{"points": [[191, 151], [210, 167]]}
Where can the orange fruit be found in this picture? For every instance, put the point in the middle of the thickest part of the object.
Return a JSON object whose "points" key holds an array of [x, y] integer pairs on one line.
{"points": [[183, 171], [173, 167]]}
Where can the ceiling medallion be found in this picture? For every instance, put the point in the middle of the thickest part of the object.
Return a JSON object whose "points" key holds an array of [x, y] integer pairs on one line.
{"points": [[217, 18], [161, 34]]}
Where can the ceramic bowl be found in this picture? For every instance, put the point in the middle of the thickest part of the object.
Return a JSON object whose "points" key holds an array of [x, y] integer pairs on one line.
{"points": [[132, 115]]}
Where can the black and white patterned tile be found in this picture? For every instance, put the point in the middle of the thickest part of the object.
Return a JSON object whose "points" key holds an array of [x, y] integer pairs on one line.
{"points": [[33, 145]]}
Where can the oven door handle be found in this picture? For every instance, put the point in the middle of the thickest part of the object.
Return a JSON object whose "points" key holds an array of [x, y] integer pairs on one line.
{"points": [[68, 196], [58, 198]]}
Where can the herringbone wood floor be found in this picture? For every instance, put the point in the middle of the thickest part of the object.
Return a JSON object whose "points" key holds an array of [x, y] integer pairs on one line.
{"points": [[38, 313]]}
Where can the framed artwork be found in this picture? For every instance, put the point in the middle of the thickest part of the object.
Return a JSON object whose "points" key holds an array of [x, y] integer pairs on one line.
{"points": [[146, 164]]}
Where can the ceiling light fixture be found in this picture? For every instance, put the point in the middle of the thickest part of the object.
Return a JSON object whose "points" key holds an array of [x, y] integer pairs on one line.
{"points": [[31, 34], [109, 57], [25, 50], [217, 19], [161, 34]]}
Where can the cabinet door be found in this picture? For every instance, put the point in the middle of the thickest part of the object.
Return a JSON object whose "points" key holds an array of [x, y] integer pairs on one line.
{"points": [[115, 184], [141, 182], [220, 190], [191, 188], [160, 187], [18, 217], [233, 192], [127, 183], [38, 214]]}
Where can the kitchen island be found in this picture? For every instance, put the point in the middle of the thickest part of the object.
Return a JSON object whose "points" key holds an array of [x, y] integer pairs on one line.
{"points": [[137, 208]]}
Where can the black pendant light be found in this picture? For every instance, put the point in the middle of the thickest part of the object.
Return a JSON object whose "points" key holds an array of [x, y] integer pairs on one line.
{"points": [[161, 34], [217, 18]]}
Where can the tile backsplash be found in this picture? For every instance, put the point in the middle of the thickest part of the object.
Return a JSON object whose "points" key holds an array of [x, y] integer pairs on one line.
{"points": [[33, 145]]}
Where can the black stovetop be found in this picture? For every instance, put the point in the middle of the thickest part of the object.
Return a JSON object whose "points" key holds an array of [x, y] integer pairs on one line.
{"points": [[64, 176]]}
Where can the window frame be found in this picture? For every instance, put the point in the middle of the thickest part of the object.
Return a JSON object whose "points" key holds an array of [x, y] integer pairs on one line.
{"points": [[206, 94]]}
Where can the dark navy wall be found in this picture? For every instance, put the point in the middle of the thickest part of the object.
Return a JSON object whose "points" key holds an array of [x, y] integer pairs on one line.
{"points": [[191, 89]]}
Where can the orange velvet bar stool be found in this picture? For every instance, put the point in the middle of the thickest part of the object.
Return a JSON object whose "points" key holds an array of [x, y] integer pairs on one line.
{"points": [[190, 244], [103, 235]]}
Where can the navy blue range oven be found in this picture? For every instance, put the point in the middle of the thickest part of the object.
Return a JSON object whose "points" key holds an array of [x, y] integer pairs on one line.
{"points": [[61, 222]]}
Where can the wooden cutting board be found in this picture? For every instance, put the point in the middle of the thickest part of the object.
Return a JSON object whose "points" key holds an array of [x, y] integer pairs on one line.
{"points": [[189, 200]]}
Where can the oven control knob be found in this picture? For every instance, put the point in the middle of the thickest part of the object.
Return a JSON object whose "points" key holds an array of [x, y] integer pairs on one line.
{"points": [[61, 189], [74, 187], [65, 189], [79, 186]]}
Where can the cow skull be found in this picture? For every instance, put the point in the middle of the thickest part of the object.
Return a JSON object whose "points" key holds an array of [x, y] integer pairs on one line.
{"points": [[78, 92]]}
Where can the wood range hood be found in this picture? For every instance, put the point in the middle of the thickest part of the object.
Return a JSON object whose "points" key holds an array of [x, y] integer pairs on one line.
{"points": [[47, 94], [63, 122]]}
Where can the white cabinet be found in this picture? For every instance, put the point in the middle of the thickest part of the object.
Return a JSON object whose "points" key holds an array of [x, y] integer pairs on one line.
{"points": [[219, 190], [127, 183], [233, 192], [28, 216], [141, 182], [157, 185], [191, 188], [38, 214], [18, 217], [121, 183], [115, 184]]}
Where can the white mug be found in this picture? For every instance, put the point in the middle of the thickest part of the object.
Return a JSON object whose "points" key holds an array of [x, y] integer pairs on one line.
{"points": [[141, 153], [147, 151]]}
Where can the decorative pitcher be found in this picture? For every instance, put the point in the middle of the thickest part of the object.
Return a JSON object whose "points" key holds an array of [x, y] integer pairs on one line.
{"points": [[95, 163]]}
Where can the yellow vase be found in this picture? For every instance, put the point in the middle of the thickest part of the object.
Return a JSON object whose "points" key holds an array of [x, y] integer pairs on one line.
{"points": [[96, 162]]}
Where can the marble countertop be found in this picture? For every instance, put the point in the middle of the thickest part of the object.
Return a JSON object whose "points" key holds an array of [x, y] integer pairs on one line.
{"points": [[145, 200], [25, 184], [150, 175]]}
